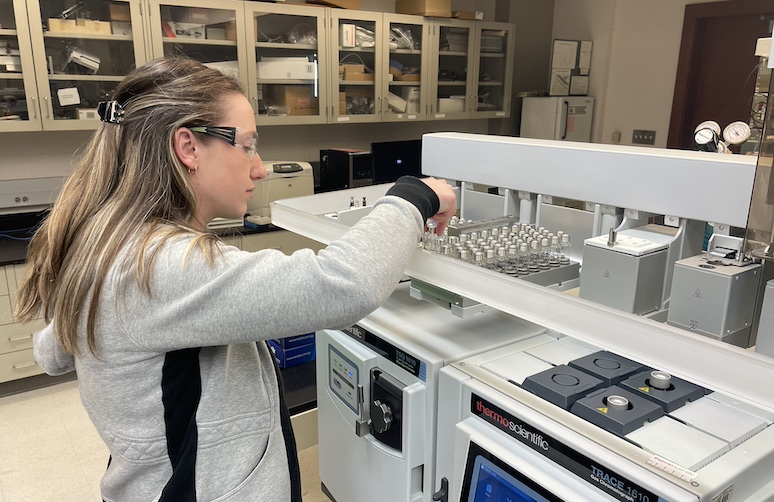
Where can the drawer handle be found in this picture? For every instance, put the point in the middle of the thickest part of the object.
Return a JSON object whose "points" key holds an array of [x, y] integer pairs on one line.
{"points": [[24, 365], [15, 339]]}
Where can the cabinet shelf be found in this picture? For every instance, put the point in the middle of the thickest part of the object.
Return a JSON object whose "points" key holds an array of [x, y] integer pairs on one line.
{"points": [[452, 84], [411, 83], [279, 45], [405, 51], [198, 41], [89, 36], [285, 81], [8, 31], [356, 82], [356, 49], [87, 78], [11, 76], [492, 55], [450, 53]]}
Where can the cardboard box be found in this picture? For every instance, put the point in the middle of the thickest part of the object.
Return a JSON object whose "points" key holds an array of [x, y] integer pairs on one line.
{"points": [[358, 77], [433, 8], [344, 4], [61, 25], [299, 100], [294, 341], [79, 26], [294, 356], [119, 12], [354, 68], [290, 69]]}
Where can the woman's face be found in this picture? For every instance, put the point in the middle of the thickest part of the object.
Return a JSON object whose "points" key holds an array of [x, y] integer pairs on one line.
{"points": [[225, 177]]}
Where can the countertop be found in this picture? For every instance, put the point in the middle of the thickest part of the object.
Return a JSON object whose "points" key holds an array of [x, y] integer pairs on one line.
{"points": [[17, 229]]}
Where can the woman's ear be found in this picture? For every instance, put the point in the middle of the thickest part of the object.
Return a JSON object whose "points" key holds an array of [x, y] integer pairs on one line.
{"points": [[185, 148]]}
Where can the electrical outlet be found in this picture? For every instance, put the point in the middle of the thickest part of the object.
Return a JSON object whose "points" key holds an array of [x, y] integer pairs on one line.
{"points": [[21, 200], [643, 137]]}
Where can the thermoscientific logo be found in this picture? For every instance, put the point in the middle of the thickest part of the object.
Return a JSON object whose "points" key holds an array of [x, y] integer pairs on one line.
{"points": [[507, 423]]}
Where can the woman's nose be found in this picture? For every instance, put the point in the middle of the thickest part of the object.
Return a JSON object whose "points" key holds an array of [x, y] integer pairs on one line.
{"points": [[257, 171]]}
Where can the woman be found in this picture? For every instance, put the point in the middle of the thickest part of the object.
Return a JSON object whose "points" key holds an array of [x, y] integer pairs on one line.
{"points": [[159, 318]]}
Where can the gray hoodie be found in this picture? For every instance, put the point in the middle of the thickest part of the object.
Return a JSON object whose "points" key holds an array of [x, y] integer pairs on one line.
{"points": [[184, 398]]}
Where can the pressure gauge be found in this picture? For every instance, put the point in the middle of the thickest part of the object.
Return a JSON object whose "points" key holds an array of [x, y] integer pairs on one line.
{"points": [[709, 124], [706, 140], [736, 133]]}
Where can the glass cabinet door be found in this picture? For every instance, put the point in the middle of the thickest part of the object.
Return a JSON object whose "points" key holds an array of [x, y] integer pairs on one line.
{"points": [[356, 66], [210, 32], [82, 50], [288, 44], [494, 70], [19, 109], [452, 88], [405, 67]]}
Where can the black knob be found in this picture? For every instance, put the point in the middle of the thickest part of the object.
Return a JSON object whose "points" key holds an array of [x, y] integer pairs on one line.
{"points": [[381, 416]]}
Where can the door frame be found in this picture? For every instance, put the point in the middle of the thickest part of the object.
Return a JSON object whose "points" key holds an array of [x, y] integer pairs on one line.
{"points": [[685, 79]]}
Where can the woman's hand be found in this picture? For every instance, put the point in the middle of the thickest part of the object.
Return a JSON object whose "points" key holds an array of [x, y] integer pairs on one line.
{"points": [[448, 203]]}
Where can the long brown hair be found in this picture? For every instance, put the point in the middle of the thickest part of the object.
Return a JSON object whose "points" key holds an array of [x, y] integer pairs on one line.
{"points": [[128, 186]]}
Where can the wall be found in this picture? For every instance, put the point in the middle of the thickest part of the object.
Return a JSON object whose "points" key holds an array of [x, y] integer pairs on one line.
{"points": [[634, 61], [590, 20], [532, 54]]}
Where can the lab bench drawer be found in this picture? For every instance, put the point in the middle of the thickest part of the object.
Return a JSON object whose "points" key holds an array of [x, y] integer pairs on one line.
{"points": [[6, 315], [19, 364], [14, 337], [3, 282]]}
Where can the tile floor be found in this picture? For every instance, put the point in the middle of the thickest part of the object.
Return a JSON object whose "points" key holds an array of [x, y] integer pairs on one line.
{"points": [[50, 452]]}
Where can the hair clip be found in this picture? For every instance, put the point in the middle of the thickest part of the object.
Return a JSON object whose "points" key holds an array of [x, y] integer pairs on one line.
{"points": [[110, 111]]}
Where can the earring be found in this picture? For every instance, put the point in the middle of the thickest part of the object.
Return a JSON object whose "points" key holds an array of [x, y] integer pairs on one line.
{"points": [[193, 171]]}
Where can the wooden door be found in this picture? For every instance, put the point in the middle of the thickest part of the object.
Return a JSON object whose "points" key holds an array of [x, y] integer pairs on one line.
{"points": [[716, 66]]}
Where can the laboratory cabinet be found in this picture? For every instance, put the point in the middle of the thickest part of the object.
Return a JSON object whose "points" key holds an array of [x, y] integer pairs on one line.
{"points": [[210, 32], [16, 358], [472, 62], [299, 64], [381, 70], [286, 62], [59, 58]]}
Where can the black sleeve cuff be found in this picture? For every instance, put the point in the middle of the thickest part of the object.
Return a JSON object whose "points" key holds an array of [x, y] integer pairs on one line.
{"points": [[418, 193]]}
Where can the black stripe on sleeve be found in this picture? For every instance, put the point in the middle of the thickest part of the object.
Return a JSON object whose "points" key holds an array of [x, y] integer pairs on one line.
{"points": [[181, 388], [418, 193]]}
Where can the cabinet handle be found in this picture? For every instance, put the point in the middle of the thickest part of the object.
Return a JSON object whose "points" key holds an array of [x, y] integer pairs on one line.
{"points": [[48, 115], [14, 339], [24, 365], [34, 108]]}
